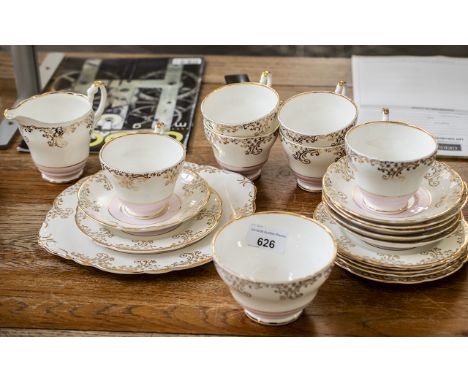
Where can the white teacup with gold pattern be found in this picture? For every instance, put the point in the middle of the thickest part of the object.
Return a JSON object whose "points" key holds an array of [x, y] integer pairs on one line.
{"points": [[143, 169], [309, 164], [389, 160], [318, 118], [244, 109], [246, 156], [57, 126]]}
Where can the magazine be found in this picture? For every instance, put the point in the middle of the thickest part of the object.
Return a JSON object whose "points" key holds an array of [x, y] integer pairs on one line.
{"points": [[141, 92]]}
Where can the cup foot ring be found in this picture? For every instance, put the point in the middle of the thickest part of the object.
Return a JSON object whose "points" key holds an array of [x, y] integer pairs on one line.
{"points": [[308, 186], [268, 319], [255, 176], [252, 172], [62, 174], [115, 209]]}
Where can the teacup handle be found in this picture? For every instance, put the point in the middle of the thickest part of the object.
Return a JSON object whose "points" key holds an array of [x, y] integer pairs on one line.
{"points": [[266, 78], [341, 88], [159, 128], [98, 85], [385, 114]]}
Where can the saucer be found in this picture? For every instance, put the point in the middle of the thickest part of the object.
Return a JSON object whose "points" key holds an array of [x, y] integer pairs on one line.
{"points": [[400, 230], [98, 200], [185, 234], [419, 202], [393, 279], [444, 186], [379, 272], [60, 236], [418, 238], [399, 246], [442, 252]]}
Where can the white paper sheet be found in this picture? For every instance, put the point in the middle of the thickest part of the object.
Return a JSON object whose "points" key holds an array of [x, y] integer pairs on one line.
{"points": [[430, 92]]}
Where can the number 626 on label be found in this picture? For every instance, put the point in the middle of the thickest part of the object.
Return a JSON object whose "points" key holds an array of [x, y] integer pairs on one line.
{"points": [[267, 238]]}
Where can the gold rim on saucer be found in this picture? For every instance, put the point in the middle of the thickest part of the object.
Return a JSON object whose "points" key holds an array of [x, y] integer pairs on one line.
{"points": [[89, 206], [400, 273], [392, 238], [391, 259], [342, 170], [393, 280], [396, 230], [59, 235], [180, 237]]}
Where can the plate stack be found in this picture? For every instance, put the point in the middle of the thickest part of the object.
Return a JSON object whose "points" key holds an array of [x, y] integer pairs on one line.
{"points": [[89, 226], [424, 242], [193, 212]]}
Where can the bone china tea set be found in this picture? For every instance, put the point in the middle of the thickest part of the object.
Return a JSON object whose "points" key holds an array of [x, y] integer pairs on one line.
{"points": [[390, 212]]}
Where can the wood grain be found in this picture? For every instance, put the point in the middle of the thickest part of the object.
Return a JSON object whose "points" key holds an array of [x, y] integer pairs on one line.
{"points": [[41, 294]]}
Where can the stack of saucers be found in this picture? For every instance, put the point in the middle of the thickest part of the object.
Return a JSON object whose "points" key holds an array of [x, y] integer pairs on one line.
{"points": [[240, 122], [396, 214], [152, 206], [312, 130]]}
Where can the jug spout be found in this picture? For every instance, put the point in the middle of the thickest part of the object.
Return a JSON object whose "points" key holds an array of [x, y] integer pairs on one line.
{"points": [[10, 114], [16, 114]]}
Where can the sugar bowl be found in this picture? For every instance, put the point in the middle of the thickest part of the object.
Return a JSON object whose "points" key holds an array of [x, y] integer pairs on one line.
{"points": [[274, 263]]}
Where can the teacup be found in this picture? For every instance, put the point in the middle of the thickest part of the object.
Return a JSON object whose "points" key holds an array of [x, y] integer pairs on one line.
{"points": [[274, 263], [309, 164], [242, 109], [318, 118], [143, 169], [57, 126], [389, 160], [246, 156]]}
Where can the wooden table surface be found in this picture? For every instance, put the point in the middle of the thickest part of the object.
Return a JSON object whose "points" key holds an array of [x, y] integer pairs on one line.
{"points": [[42, 294]]}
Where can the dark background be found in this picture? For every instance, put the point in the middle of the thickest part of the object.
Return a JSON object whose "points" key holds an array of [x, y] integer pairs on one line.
{"points": [[271, 50]]}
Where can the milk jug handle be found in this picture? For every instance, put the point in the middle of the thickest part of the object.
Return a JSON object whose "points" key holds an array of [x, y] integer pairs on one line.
{"points": [[385, 114], [98, 85]]}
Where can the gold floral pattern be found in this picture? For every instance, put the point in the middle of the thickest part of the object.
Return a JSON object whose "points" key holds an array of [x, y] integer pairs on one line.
{"points": [[106, 262], [285, 291], [434, 173], [131, 181], [252, 146], [390, 169], [302, 154], [331, 192], [211, 170], [114, 262], [343, 168], [340, 194], [333, 139], [95, 200], [258, 127], [248, 208], [402, 279], [85, 199], [208, 218], [346, 243], [55, 136], [199, 185], [434, 255]]}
